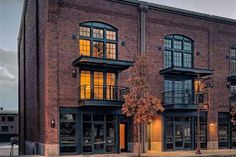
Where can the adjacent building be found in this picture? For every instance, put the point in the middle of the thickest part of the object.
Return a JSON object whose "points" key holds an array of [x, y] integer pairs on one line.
{"points": [[8, 125], [73, 61]]}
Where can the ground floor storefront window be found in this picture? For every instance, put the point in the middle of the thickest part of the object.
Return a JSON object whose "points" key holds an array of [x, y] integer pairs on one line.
{"points": [[83, 132], [180, 132]]}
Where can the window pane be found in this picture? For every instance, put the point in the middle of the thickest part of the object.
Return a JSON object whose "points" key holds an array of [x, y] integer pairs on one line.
{"points": [[111, 35], [84, 31], [187, 60], [177, 44], [84, 46], [177, 59], [111, 51], [98, 85], [85, 89], [167, 43], [187, 46], [167, 59], [97, 33], [111, 89], [98, 49]]}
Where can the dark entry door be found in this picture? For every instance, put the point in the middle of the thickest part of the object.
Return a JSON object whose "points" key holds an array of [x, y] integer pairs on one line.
{"points": [[99, 137], [179, 137]]}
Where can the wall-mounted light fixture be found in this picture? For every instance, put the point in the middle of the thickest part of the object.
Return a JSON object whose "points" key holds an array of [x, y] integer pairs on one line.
{"points": [[73, 73], [74, 37], [159, 48], [227, 84], [123, 43], [52, 122]]}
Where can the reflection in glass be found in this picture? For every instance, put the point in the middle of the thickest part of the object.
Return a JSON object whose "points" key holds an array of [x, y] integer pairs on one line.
{"points": [[98, 136]]}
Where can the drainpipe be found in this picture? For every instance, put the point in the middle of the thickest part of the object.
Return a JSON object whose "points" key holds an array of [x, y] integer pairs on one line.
{"points": [[37, 115], [143, 8]]}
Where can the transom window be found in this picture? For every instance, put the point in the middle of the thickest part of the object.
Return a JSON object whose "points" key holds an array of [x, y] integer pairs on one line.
{"points": [[98, 40], [178, 51], [233, 60]]}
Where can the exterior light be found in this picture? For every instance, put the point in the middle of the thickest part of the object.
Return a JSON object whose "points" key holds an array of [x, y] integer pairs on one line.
{"points": [[227, 84], [52, 123], [74, 73]]}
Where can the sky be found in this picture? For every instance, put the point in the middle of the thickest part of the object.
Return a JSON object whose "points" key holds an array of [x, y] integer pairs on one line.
{"points": [[10, 15]]}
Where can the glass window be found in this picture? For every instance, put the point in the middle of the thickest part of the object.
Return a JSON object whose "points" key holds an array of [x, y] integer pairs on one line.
{"points": [[85, 89], [98, 40], [111, 51], [178, 91], [167, 59], [84, 31], [98, 49], [111, 35], [98, 85], [177, 44], [178, 59], [5, 128], [67, 132], [10, 119], [233, 61], [111, 88], [3, 118], [181, 50], [97, 33], [223, 130], [84, 46]]}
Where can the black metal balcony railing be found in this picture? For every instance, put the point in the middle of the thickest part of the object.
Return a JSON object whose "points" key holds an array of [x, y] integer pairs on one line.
{"points": [[108, 92], [184, 97], [178, 97]]}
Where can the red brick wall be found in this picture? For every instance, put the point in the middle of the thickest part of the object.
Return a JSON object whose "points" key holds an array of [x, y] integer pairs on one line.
{"points": [[59, 23]]}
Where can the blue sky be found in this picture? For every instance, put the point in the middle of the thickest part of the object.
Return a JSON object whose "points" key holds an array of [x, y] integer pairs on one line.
{"points": [[10, 14]]}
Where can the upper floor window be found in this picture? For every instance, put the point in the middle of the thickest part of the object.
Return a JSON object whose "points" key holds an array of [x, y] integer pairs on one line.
{"points": [[178, 51], [233, 60], [98, 40]]}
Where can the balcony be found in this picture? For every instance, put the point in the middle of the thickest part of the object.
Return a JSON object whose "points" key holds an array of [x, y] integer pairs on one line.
{"points": [[183, 99], [101, 95], [175, 70], [88, 62]]}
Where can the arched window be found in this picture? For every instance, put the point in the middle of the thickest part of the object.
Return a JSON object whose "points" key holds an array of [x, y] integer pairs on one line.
{"points": [[233, 60], [98, 40], [178, 51]]}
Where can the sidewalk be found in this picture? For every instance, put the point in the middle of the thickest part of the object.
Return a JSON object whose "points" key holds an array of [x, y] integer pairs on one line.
{"points": [[205, 153]]}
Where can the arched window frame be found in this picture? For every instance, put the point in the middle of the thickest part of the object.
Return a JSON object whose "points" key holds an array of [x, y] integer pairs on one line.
{"points": [[90, 36], [178, 51]]}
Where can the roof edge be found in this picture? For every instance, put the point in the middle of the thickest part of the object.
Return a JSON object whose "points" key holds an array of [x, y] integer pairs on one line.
{"points": [[179, 11]]}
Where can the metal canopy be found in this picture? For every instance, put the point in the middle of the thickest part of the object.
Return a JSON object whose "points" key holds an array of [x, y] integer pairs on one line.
{"points": [[94, 62], [186, 71]]}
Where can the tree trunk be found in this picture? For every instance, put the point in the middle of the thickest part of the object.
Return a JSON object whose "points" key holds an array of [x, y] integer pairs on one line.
{"points": [[139, 141]]}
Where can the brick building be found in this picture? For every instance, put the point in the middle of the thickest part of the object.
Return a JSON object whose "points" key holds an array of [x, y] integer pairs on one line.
{"points": [[73, 57], [8, 125]]}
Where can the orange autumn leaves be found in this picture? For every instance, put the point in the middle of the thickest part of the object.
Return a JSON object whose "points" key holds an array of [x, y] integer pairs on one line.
{"points": [[140, 104]]}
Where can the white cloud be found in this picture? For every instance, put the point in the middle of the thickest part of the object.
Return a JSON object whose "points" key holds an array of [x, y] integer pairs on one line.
{"points": [[5, 74]]}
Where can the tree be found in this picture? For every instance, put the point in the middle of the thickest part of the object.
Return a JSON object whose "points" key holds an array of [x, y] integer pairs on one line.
{"points": [[139, 103]]}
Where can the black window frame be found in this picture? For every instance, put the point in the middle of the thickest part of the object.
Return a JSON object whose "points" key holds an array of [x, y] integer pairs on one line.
{"points": [[102, 26], [233, 58], [171, 48]]}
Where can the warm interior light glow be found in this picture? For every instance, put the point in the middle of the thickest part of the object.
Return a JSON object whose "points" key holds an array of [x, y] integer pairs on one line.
{"points": [[122, 136], [212, 129], [198, 83]]}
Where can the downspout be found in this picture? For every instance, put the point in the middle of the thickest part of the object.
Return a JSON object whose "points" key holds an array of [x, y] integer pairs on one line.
{"points": [[37, 115], [143, 8]]}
